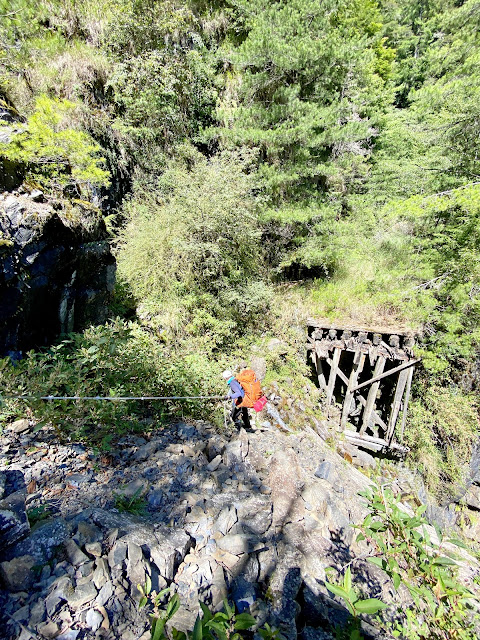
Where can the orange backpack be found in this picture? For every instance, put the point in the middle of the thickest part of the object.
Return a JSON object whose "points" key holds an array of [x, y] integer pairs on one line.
{"points": [[251, 386]]}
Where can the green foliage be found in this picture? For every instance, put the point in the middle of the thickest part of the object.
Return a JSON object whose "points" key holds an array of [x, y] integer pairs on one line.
{"points": [[117, 359], [37, 514], [441, 431], [56, 155], [361, 121], [192, 252], [302, 89], [222, 625], [135, 504], [164, 97], [417, 555], [355, 605]]}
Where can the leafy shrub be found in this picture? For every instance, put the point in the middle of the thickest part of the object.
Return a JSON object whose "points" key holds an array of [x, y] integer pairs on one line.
{"points": [[193, 248], [135, 504], [56, 155], [164, 97], [406, 549], [222, 625], [441, 430], [118, 359]]}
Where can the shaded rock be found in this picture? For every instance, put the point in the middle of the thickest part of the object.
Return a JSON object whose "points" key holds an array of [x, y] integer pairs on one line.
{"points": [[184, 619], [156, 499], [233, 453], [214, 464], [472, 497], [77, 479], [22, 614], [286, 483], [169, 552], [83, 593], [215, 447], [37, 612], [101, 575], [234, 543], [49, 630], [284, 585], [94, 549], [226, 520], [117, 555], [14, 523], [104, 595], [136, 569], [227, 560], [43, 542], [69, 635], [17, 574], [359, 457], [309, 633], [244, 594], [74, 554], [319, 609], [70, 274], [87, 533], [326, 471], [146, 451], [218, 588], [259, 365]]}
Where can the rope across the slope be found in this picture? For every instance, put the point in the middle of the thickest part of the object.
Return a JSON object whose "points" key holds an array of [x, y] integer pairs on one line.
{"points": [[110, 398]]}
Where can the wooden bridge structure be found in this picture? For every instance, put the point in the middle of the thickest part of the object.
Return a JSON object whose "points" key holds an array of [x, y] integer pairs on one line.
{"points": [[369, 373]]}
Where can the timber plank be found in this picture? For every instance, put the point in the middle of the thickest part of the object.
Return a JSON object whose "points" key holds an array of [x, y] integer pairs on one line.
{"points": [[378, 376], [372, 394], [356, 371], [333, 374], [397, 401]]}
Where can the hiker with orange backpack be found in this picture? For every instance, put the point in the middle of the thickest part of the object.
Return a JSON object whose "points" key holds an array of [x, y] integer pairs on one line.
{"points": [[245, 392]]}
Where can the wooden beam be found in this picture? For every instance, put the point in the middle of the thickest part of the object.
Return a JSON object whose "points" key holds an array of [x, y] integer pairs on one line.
{"points": [[396, 404], [377, 419], [360, 442], [356, 371], [390, 372], [372, 394], [375, 443], [405, 402], [333, 374], [321, 374]]}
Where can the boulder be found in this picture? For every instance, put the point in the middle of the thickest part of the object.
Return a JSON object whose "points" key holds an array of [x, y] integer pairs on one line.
{"points": [[70, 274], [17, 574], [286, 483], [19, 426], [14, 523], [43, 542], [472, 497]]}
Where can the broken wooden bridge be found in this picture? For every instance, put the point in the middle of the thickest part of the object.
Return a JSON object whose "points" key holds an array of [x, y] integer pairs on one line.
{"points": [[369, 373]]}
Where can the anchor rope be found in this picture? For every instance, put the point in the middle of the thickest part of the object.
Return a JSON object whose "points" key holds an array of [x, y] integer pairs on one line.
{"points": [[109, 398]]}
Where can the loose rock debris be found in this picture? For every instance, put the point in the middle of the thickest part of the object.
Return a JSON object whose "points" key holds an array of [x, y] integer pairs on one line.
{"points": [[256, 517]]}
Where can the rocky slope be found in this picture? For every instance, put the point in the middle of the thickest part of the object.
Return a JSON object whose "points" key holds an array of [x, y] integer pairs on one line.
{"points": [[257, 517]]}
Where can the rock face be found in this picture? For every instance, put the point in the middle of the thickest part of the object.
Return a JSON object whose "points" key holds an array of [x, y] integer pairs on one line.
{"points": [[13, 517], [259, 526], [54, 278]]}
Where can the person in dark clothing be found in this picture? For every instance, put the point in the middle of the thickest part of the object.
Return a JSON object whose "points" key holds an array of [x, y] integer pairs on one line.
{"points": [[236, 393]]}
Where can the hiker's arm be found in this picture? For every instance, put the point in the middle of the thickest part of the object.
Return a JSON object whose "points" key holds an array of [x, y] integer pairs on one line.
{"points": [[236, 390]]}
